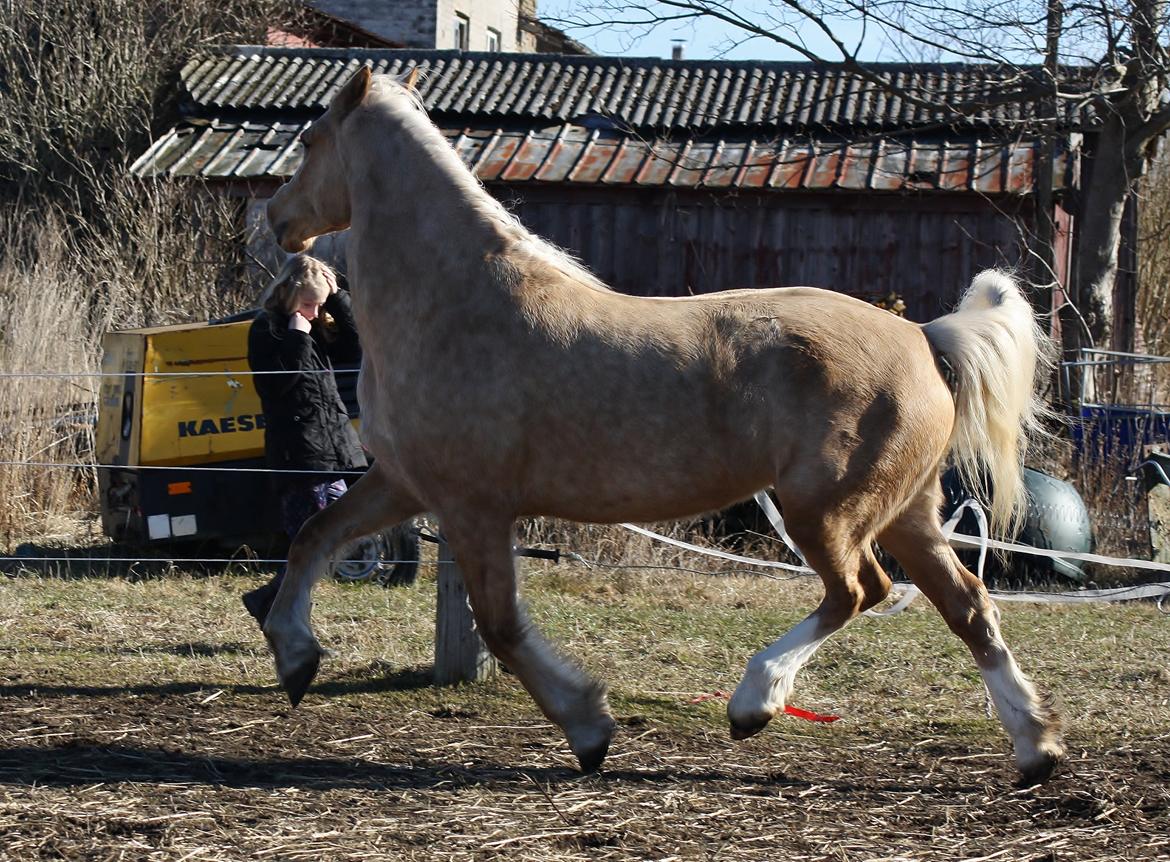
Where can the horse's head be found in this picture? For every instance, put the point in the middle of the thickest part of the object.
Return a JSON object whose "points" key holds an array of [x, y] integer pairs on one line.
{"points": [[316, 200]]}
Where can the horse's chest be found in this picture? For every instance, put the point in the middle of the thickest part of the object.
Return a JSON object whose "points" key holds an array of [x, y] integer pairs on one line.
{"points": [[396, 410]]}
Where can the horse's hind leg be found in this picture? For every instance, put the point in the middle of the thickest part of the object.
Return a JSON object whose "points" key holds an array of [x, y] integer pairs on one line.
{"points": [[483, 549], [853, 580], [916, 541], [373, 503]]}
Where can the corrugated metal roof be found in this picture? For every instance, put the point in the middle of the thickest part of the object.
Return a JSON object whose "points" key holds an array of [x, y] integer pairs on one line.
{"points": [[644, 93], [226, 149]]}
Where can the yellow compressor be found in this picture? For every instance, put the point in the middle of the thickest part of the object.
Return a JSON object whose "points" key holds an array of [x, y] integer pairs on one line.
{"points": [[181, 431]]}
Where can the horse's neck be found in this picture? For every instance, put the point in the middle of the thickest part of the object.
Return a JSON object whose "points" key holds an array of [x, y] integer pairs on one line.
{"points": [[414, 216], [421, 205]]}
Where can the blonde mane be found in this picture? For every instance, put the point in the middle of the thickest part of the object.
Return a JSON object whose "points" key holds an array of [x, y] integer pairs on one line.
{"points": [[389, 94]]}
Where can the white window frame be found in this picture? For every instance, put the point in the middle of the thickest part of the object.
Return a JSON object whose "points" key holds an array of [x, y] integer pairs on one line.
{"points": [[462, 31], [495, 41]]}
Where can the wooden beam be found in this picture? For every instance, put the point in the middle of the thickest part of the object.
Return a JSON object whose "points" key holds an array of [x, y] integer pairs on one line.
{"points": [[460, 654]]}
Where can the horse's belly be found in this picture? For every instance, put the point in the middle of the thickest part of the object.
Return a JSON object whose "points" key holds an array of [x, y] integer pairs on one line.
{"points": [[629, 449], [640, 483]]}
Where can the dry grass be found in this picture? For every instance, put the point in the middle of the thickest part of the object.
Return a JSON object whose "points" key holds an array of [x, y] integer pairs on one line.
{"points": [[46, 327], [57, 299], [139, 721], [84, 246]]}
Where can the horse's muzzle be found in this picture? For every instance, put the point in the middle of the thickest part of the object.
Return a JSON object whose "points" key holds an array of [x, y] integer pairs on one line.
{"points": [[280, 223], [295, 246], [286, 241]]}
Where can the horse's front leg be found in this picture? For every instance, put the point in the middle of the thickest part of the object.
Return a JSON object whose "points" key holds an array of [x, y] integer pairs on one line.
{"points": [[853, 581], [375, 502], [564, 692]]}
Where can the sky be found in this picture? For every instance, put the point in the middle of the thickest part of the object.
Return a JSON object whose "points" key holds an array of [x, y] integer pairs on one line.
{"points": [[702, 39], [708, 38]]}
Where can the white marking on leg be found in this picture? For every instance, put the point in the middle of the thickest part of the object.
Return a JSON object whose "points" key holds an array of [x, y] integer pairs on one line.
{"points": [[563, 691], [1020, 713], [1014, 698], [770, 674], [287, 627]]}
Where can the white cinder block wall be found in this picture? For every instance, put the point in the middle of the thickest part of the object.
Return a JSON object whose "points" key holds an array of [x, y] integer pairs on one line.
{"points": [[431, 23], [500, 15]]}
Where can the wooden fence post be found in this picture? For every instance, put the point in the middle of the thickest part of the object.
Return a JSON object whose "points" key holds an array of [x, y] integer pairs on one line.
{"points": [[460, 655]]}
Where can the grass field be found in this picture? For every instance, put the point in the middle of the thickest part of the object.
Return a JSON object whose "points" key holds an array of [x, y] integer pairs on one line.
{"points": [[139, 720]]}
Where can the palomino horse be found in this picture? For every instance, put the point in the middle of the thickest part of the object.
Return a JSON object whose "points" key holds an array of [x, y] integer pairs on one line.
{"points": [[502, 380]]}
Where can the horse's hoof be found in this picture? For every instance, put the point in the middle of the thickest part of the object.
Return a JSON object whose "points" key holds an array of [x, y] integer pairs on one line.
{"points": [[1039, 772], [297, 681], [743, 731], [591, 759], [590, 743]]}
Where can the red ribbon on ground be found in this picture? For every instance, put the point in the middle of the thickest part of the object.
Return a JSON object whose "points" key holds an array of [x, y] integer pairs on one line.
{"points": [[794, 711], [810, 716]]}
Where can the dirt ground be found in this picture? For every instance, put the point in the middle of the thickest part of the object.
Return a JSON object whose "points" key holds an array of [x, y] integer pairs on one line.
{"points": [[181, 773], [139, 721]]}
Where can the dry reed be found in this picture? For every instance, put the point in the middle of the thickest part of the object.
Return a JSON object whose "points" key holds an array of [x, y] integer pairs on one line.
{"points": [[86, 246]]}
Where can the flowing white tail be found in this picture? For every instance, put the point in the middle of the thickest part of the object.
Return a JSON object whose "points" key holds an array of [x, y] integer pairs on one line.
{"points": [[998, 354]]}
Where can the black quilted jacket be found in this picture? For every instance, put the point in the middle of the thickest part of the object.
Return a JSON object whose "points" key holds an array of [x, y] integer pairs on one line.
{"points": [[306, 425]]}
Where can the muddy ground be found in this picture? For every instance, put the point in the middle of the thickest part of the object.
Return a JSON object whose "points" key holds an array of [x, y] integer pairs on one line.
{"points": [[139, 721], [181, 773]]}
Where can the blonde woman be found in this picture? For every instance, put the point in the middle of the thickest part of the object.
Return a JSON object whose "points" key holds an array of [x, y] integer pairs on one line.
{"points": [[306, 324]]}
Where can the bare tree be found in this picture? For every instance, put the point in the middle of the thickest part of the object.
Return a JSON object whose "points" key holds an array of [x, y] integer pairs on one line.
{"points": [[83, 82], [1104, 60], [85, 245], [83, 86], [1154, 262]]}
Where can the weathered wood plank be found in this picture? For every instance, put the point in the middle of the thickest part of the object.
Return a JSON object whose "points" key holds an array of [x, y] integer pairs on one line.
{"points": [[460, 654]]}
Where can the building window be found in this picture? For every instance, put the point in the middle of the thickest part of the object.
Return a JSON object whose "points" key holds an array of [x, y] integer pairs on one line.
{"points": [[462, 31], [493, 40]]}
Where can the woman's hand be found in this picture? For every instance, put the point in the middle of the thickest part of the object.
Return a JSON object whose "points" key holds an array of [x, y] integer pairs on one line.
{"points": [[298, 321]]}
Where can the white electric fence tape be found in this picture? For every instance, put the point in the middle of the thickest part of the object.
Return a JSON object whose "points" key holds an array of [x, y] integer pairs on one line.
{"points": [[715, 552], [906, 593], [764, 501]]}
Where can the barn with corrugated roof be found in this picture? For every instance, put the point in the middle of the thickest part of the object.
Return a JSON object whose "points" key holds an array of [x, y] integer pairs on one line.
{"points": [[677, 177]]}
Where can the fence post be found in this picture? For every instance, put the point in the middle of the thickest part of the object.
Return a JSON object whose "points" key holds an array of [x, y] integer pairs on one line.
{"points": [[460, 655]]}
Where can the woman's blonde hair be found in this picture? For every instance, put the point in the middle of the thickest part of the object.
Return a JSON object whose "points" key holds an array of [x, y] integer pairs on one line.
{"points": [[301, 275]]}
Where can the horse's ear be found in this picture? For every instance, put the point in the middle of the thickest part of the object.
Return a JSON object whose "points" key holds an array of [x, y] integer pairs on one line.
{"points": [[351, 95], [411, 78]]}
